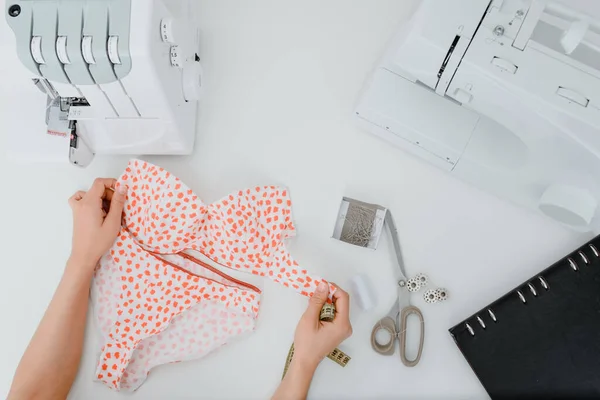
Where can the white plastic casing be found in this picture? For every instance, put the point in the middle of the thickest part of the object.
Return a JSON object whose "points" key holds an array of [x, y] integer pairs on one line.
{"points": [[147, 110], [516, 115]]}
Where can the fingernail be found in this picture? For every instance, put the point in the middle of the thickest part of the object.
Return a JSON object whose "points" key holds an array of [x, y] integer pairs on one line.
{"points": [[322, 286], [122, 189]]}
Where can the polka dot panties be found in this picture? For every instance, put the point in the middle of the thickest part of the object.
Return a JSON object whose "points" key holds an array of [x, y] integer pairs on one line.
{"points": [[156, 302]]}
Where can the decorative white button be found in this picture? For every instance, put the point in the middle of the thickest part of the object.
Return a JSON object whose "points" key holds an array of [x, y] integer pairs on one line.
{"points": [[61, 50], [166, 30], [86, 50], [36, 50], [176, 57], [113, 50], [572, 96], [504, 65]]}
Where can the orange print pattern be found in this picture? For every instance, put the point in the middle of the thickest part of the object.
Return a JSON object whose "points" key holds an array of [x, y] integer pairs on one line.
{"points": [[155, 302]]}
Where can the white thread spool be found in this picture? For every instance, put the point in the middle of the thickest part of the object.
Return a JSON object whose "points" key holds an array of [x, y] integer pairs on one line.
{"points": [[362, 291]]}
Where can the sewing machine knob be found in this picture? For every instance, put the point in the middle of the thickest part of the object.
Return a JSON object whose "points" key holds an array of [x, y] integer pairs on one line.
{"points": [[86, 50], [192, 81], [572, 96], [14, 10], [167, 33], [113, 50], [176, 57], [61, 50], [36, 50], [504, 65]]}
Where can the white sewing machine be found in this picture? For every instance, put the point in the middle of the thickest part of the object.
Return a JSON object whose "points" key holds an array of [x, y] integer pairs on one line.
{"points": [[121, 76], [504, 94]]}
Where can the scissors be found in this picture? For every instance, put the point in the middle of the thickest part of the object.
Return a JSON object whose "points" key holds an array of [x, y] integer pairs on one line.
{"points": [[395, 322]]}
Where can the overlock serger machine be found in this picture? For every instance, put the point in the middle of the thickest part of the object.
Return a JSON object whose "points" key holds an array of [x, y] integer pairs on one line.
{"points": [[121, 76]]}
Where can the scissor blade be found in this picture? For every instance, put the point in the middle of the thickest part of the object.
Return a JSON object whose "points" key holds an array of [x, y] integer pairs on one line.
{"points": [[394, 311], [389, 221], [403, 298]]}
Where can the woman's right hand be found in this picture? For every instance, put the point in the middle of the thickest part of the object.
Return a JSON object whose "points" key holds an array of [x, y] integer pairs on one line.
{"points": [[315, 339]]}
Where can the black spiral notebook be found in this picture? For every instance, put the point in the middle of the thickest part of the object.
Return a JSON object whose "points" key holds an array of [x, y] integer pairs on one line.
{"points": [[542, 339]]}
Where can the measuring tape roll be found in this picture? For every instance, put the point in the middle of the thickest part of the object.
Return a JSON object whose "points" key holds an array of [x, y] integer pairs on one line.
{"points": [[327, 315]]}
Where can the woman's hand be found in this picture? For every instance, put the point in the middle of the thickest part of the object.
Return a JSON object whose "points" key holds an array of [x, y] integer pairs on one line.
{"points": [[315, 339], [50, 363], [96, 221]]}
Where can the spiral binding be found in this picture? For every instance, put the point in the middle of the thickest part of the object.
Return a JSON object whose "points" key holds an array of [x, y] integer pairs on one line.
{"points": [[481, 322], [572, 263], [471, 331], [583, 257]]}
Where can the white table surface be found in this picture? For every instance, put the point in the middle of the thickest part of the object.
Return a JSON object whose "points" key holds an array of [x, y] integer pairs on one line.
{"points": [[282, 78]]}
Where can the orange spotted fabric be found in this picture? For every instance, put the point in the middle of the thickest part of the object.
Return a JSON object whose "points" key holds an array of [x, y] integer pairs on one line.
{"points": [[154, 298]]}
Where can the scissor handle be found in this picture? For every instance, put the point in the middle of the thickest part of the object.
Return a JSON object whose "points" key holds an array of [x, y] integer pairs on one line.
{"points": [[403, 327], [387, 324]]}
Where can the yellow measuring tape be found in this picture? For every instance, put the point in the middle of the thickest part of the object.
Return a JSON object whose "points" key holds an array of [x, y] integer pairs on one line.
{"points": [[327, 314]]}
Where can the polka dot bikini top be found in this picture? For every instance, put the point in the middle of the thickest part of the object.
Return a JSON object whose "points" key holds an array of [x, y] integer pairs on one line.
{"points": [[155, 301]]}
